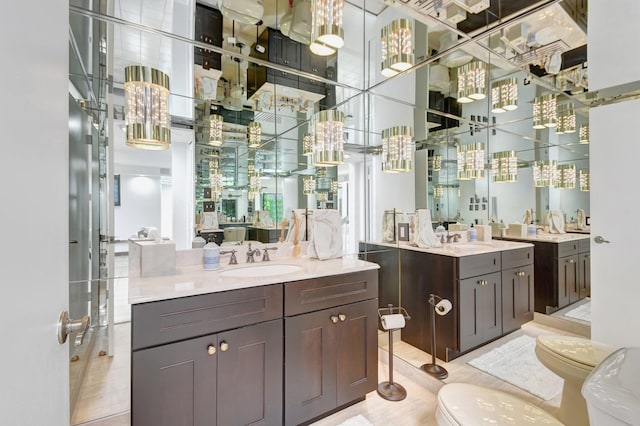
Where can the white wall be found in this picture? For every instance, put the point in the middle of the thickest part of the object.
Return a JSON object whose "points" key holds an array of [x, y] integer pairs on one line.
{"points": [[140, 200]]}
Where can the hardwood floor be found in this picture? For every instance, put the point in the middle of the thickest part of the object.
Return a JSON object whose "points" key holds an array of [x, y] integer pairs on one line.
{"points": [[104, 396]]}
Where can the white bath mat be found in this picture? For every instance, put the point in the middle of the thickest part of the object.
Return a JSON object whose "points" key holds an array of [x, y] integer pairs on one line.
{"points": [[358, 420], [582, 312], [516, 362]]}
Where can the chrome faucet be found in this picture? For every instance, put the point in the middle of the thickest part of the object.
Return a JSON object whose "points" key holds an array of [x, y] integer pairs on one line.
{"points": [[233, 260], [456, 237], [265, 254], [251, 253]]}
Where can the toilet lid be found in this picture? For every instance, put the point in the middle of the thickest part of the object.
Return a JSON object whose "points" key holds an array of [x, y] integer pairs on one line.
{"points": [[467, 404], [576, 349]]}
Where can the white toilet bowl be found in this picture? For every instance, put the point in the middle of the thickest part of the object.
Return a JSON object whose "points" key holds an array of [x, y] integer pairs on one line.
{"points": [[464, 404], [573, 359], [612, 391]]}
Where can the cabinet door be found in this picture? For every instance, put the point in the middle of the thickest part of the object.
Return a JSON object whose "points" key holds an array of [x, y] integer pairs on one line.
{"points": [[310, 356], [357, 359], [517, 297], [584, 275], [250, 375], [567, 280], [175, 384], [480, 310]]}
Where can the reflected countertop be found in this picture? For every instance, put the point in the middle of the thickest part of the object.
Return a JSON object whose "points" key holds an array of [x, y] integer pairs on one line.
{"points": [[194, 280], [463, 248]]}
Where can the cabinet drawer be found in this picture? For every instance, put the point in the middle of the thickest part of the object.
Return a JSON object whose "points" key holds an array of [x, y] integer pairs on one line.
{"points": [[517, 257], [471, 266], [584, 246], [167, 321], [326, 292], [567, 248]]}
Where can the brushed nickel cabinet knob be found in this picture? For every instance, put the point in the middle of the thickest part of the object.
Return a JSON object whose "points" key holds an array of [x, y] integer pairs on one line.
{"points": [[211, 350]]}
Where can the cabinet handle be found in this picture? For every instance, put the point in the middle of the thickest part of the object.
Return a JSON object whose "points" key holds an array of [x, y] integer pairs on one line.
{"points": [[483, 282], [334, 319], [520, 273], [224, 346], [211, 350], [571, 261], [342, 317]]}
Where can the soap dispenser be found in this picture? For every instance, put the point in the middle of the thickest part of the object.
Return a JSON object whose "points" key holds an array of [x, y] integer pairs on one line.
{"points": [[473, 234], [211, 257]]}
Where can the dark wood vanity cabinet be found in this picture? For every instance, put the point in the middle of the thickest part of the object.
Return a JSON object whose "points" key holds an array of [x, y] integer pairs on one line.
{"points": [[517, 288], [331, 353], [209, 359]]}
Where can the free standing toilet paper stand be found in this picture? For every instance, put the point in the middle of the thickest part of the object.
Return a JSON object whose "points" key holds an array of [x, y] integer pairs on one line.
{"points": [[390, 390], [442, 307]]}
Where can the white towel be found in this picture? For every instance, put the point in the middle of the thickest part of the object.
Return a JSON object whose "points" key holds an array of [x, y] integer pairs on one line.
{"points": [[424, 235], [209, 220], [326, 242], [555, 221]]}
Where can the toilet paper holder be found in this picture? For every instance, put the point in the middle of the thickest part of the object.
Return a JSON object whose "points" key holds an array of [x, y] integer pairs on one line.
{"points": [[441, 307], [390, 390]]}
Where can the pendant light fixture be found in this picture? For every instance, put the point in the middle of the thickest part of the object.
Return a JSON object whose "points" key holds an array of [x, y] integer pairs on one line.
{"points": [[504, 95], [545, 174], [438, 192], [397, 50], [308, 185], [328, 144], [566, 119], [436, 163], [321, 197], [254, 134], [215, 177], [471, 161], [254, 184], [334, 186], [504, 166], [472, 82], [146, 93], [327, 34], [566, 176], [545, 112], [215, 129], [585, 182], [397, 149], [307, 144], [583, 134]]}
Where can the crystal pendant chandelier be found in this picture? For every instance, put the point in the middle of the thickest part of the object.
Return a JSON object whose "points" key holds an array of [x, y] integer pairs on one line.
{"points": [[397, 51], [254, 184], [566, 176], [438, 192], [321, 197], [436, 163], [504, 166], [471, 161], [472, 82], [327, 34], [215, 129], [504, 95], [215, 177], [334, 186], [545, 174], [146, 93], [328, 145], [585, 183], [308, 185], [307, 144], [566, 119], [397, 149], [545, 111], [254, 134], [583, 134]]}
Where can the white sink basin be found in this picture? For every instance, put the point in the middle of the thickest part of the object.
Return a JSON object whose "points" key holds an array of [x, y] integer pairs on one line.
{"points": [[261, 271]]}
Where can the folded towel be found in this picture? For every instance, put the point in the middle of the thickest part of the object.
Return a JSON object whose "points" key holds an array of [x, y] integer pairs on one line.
{"points": [[327, 235], [209, 220], [300, 214], [555, 220], [424, 235]]}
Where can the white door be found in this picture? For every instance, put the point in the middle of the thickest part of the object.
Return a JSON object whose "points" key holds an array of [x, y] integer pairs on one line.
{"points": [[34, 240], [615, 203]]}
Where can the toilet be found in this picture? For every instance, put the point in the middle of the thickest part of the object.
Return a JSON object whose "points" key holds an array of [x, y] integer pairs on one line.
{"points": [[612, 392], [573, 359], [466, 404]]}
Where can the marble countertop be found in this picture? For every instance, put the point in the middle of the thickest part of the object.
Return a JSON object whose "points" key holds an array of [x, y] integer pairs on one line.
{"points": [[551, 238], [461, 249], [193, 280]]}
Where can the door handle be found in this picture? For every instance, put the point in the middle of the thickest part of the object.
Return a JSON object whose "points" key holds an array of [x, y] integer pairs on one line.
{"points": [[599, 240], [67, 326]]}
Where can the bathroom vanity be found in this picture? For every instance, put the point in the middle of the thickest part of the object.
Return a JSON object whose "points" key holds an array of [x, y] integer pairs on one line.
{"points": [[490, 285], [562, 269], [273, 343]]}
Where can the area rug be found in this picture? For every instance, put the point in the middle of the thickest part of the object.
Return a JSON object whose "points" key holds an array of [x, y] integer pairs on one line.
{"points": [[582, 312], [515, 362], [358, 420]]}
